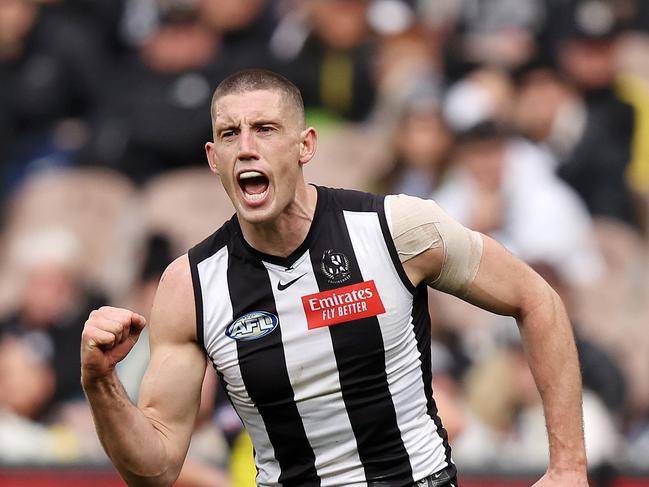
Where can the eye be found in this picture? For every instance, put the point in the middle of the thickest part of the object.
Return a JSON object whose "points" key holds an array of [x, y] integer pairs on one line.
{"points": [[266, 129], [228, 134]]}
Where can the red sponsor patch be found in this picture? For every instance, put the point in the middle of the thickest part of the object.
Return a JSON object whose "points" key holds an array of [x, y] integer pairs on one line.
{"points": [[347, 303]]}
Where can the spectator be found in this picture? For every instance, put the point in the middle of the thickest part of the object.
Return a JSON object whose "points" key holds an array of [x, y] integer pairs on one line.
{"points": [[152, 114], [595, 166], [51, 68], [26, 386], [493, 33], [329, 56], [503, 185], [245, 29], [422, 144], [52, 307]]}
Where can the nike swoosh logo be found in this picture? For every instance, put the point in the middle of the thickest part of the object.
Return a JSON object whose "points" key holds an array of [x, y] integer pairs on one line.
{"points": [[281, 286]]}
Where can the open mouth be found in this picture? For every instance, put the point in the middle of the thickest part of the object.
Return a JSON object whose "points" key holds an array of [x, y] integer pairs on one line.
{"points": [[253, 184]]}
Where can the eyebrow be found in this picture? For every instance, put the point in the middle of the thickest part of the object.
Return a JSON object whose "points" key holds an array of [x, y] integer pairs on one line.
{"points": [[225, 127], [262, 121], [256, 123]]}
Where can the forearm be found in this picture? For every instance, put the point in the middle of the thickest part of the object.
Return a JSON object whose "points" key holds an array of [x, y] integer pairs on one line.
{"points": [[131, 440], [550, 347]]}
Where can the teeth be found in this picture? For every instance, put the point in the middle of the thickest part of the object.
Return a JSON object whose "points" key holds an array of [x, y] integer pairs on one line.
{"points": [[256, 197], [250, 174]]}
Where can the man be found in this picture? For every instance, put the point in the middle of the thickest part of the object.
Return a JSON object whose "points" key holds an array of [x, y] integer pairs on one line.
{"points": [[311, 305]]}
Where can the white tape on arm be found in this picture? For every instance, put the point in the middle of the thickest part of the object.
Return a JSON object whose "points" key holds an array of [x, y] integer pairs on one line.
{"points": [[418, 225]]}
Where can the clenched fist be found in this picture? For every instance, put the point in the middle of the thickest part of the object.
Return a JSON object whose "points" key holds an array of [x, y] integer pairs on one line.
{"points": [[108, 336]]}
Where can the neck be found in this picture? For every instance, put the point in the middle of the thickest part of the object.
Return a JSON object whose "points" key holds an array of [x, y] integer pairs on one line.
{"points": [[285, 233]]}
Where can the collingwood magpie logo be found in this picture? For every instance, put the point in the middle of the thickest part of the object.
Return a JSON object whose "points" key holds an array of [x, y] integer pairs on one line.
{"points": [[335, 266], [252, 326]]}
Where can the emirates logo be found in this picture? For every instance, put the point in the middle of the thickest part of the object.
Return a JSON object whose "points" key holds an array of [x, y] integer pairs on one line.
{"points": [[341, 305]]}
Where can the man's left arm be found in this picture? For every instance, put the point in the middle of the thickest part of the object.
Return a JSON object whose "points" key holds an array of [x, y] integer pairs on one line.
{"points": [[503, 284]]}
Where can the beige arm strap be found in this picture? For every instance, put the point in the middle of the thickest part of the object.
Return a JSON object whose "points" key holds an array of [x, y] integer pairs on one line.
{"points": [[418, 225]]}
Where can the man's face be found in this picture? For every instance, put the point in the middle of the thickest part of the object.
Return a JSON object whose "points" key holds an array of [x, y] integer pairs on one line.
{"points": [[258, 151]]}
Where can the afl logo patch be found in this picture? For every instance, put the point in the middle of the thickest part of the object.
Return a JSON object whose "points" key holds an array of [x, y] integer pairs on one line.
{"points": [[252, 326], [335, 266]]}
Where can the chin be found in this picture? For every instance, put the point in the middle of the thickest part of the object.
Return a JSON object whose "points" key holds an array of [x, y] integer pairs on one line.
{"points": [[256, 215]]}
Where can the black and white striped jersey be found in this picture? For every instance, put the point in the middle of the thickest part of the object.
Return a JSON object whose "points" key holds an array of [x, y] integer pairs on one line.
{"points": [[325, 354]]}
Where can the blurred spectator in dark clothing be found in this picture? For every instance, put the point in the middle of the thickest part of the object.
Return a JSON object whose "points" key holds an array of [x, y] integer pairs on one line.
{"points": [[324, 48], [584, 41], [26, 386], [26, 381], [51, 66], [593, 19], [642, 16], [103, 16], [493, 33], [51, 311], [155, 112], [245, 29]]}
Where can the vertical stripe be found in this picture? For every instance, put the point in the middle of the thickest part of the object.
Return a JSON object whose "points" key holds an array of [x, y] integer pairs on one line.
{"points": [[358, 348], [198, 296], [313, 374], [263, 368], [421, 321], [223, 353], [421, 318], [404, 360], [385, 219]]}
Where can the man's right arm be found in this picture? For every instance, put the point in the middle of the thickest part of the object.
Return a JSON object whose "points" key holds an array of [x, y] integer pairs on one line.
{"points": [[147, 443]]}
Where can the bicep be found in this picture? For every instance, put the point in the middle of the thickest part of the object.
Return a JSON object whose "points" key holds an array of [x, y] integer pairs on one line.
{"points": [[503, 283], [170, 393], [171, 387]]}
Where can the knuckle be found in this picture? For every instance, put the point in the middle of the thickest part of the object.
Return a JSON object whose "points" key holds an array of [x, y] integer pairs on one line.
{"points": [[87, 335]]}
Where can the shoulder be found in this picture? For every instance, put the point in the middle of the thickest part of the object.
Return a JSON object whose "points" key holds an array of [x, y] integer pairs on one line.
{"points": [[350, 200], [212, 244], [405, 213], [177, 274]]}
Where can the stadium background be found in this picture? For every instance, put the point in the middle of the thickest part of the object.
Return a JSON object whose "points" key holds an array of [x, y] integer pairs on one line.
{"points": [[526, 119]]}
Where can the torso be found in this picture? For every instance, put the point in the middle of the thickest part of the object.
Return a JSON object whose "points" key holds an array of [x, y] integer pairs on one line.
{"points": [[325, 353]]}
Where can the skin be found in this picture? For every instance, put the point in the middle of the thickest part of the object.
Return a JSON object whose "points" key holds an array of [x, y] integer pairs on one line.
{"points": [[258, 130], [507, 286]]}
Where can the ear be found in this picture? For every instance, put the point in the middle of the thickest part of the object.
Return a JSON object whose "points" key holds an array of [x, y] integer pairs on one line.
{"points": [[308, 144], [211, 157]]}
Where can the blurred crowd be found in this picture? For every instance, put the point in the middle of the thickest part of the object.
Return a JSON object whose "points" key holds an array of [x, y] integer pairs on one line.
{"points": [[527, 120]]}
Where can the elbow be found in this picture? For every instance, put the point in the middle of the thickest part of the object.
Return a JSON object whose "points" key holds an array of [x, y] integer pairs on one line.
{"points": [[163, 476], [165, 479], [540, 305]]}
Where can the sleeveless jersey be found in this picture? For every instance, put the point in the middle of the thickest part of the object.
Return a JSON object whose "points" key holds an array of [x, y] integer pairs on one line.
{"points": [[325, 354]]}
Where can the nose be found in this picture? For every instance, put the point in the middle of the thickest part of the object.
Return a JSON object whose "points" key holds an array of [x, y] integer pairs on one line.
{"points": [[247, 146]]}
